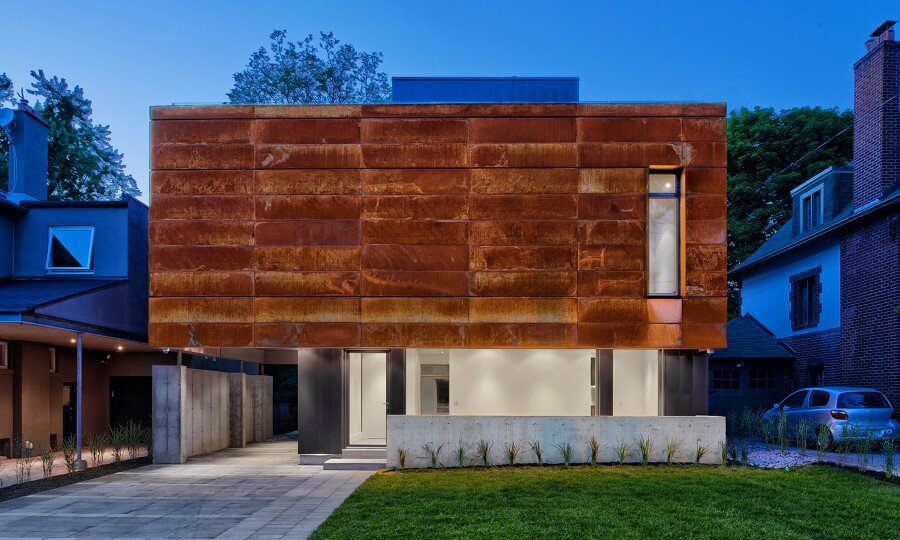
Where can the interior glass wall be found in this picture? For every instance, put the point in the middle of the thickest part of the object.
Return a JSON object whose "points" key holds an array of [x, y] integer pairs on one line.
{"points": [[635, 385]]}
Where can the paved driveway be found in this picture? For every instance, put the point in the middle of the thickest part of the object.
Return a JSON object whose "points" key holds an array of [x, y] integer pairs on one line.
{"points": [[257, 491]]}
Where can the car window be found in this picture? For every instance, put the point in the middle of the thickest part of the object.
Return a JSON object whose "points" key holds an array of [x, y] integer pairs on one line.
{"points": [[795, 400], [861, 400], [819, 398]]}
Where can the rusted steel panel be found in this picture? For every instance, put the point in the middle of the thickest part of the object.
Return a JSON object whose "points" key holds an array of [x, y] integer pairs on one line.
{"points": [[445, 225]]}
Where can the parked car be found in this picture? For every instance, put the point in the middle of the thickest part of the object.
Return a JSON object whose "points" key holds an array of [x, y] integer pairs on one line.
{"points": [[847, 413]]}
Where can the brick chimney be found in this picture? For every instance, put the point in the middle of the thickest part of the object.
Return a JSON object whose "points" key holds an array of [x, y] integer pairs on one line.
{"points": [[876, 123]]}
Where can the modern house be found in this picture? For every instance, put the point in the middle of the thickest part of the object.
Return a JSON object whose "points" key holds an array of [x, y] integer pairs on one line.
{"points": [[826, 284], [477, 249], [73, 294]]}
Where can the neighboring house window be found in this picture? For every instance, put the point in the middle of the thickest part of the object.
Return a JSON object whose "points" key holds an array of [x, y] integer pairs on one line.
{"points": [[806, 289], [70, 249], [811, 210], [53, 367], [4, 355], [663, 242], [726, 379], [762, 379], [816, 375]]}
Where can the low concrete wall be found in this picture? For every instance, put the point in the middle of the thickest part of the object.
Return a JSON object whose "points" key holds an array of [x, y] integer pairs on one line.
{"points": [[198, 411], [413, 432]]}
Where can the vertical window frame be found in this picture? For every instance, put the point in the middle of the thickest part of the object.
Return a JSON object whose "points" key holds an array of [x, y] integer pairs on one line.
{"points": [[811, 216], [50, 269], [4, 355], [806, 310], [679, 252], [54, 367]]}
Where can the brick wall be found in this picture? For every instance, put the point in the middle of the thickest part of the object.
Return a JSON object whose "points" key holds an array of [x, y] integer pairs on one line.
{"points": [[818, 348], [870, 292], [430, 226], [876, 124]]}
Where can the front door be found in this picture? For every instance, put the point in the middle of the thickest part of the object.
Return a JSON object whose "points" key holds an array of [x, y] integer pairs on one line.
{"points": [[367, 398]]}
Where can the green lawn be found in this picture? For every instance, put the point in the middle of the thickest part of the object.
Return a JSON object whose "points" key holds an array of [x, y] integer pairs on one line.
{"points": [[619, 502]]}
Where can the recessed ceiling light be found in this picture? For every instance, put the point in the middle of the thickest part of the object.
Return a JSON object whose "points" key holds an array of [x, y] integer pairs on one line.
{"points": [[119, 347], [668, 185], [72, 340]]}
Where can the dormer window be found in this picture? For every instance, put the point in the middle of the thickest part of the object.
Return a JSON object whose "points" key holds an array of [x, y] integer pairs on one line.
{"points": [[70, 249], [811, 210]]}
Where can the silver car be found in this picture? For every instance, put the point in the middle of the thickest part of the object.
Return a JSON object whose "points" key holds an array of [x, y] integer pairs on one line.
{"points": [[847, 413]]}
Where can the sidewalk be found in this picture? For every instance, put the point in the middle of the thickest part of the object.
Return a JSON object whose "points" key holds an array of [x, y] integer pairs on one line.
{"points": [[8, 465]]}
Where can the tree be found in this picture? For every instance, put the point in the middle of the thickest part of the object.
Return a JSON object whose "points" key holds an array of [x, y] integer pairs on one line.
{"points": [[769, 154], [82, 163], [309, 72], [6, 96]]}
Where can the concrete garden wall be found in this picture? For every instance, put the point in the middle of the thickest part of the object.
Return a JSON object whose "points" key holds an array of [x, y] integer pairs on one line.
{"points": [[413, 432], [197, 411]]}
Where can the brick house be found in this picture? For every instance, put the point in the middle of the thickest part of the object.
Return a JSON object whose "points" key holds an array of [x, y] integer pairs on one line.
{"points": [[511, 257], [826, 284]]}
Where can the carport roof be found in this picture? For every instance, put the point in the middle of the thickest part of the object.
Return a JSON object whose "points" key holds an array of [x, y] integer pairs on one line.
{"points": [[748, 338], [19, 295]]}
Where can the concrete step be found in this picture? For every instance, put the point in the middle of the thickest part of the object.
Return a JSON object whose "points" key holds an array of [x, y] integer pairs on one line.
{"points": [[364, 452], [357, 464], [316, 459]]}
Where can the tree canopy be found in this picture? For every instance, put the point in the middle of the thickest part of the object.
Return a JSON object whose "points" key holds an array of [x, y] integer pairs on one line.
{"points": [[82, 163], [770, 153], [310, 71]]}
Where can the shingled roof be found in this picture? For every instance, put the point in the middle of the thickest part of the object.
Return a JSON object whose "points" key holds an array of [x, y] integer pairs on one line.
{"points": [[748, 338]]}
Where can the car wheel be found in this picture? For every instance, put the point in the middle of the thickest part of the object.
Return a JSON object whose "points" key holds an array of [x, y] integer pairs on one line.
{"points": [[828, 436]]}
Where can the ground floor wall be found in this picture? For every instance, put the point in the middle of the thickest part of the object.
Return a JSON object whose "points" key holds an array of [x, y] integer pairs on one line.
{"points": [[755, 384], [341, 393], [37, 403], [200, 411], [500, 435]]}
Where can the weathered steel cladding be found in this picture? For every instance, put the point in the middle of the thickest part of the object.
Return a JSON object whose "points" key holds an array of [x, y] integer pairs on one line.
{"points": [[446, 225]]}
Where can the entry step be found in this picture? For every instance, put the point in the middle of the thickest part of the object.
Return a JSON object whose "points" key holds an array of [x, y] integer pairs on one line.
{"points": [[316, 459], [355, 464], [364, 452]]}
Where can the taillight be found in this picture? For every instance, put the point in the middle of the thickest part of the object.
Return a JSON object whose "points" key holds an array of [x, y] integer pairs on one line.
{"points": [[839, 415]]}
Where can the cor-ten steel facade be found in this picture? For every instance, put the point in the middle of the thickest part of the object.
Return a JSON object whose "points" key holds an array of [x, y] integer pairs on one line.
{"points": [[452, 226]]}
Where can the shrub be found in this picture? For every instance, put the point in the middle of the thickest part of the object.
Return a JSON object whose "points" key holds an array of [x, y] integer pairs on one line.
{"points": [[594, 447], [69, 453], [565, 452], [24, 450], [782, 432], [767, 432], [401, 457], [724, 450], [461, 455], [117, 437], [802, 434], [134, 436], [433, 454], [484, 451], [672, 448], [47, 460], [822, 441], [645, 447], [889, 446], [864, 450], [701, 451], [512, 451], [96, 446], [538, 453], [622, 451]]}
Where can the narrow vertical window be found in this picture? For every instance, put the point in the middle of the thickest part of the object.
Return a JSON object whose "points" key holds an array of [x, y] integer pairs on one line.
{"points": [[663, 244]]}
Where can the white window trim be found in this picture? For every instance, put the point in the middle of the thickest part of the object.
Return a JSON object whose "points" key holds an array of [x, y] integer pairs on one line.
{"points": [[808, 195], [57, 270], [4, 355]]}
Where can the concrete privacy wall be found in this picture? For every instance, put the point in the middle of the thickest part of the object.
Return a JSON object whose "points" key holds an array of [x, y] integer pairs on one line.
{"points": [[197, 411], [413, 432]]}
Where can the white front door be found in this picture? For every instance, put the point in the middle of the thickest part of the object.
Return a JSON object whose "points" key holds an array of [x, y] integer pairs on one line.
{"points": [[368, 398]]}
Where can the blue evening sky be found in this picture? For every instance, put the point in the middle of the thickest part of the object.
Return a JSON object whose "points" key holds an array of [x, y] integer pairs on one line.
{"points": [[129, 55]]}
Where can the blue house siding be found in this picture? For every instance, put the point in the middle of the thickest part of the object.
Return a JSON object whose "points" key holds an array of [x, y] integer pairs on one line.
{"points": [[765, 293], [110, 236], [7, 239]]}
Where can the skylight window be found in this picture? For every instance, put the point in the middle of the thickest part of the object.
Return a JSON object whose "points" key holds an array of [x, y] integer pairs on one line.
{"points": [[70, 249]]}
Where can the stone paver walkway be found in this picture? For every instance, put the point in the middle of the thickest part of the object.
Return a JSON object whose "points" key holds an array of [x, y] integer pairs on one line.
{"points": [[258, 491]]}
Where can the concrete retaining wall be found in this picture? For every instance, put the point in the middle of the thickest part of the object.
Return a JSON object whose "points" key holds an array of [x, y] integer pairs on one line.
{"points": [[413, 432], [197, 411]]}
